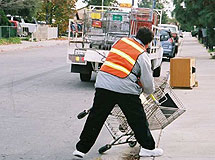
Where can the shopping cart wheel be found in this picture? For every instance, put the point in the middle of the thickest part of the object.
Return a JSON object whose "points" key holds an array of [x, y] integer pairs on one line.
{"points": [[132, 144], [104, 148], [121, 128]]}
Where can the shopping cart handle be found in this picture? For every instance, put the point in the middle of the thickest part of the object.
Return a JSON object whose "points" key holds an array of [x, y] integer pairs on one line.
{"points": [[154, 99], [82, 114]]}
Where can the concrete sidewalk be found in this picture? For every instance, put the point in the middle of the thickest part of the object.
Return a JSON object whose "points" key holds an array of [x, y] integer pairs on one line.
{"points": [[191, 136], [27, 45]]}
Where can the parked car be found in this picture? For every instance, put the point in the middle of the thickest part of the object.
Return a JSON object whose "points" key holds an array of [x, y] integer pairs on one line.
{"points": [[175, 33], [168, 43], [27, 26]]}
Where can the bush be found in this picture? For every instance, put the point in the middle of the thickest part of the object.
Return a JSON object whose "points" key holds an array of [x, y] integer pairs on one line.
{"points": [[3, 19]]}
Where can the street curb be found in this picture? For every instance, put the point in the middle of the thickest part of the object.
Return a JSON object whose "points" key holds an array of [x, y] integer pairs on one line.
{"points": [[27, 45]]}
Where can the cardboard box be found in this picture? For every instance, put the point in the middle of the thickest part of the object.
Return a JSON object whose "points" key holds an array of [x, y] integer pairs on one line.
{"points": [[182, 72]]}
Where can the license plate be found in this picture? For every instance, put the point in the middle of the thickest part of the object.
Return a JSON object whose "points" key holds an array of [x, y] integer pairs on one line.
{"points": [[79, 52]]}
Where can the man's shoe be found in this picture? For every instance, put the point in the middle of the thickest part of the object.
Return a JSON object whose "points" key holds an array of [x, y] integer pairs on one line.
{"points": [[150, 153], [78, 154]]}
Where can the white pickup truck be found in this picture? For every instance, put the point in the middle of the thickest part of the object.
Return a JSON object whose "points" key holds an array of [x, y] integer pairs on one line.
{"points": [[101, 28], [27, 27]]}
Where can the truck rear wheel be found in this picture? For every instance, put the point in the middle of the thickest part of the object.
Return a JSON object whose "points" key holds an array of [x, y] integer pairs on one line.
{"points": [[85, 77]]}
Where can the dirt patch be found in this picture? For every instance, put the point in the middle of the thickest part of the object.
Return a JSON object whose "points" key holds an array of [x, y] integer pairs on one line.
{"points": [[132, 155]]}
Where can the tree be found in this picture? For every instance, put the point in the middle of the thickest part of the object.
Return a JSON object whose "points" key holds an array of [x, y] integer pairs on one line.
{"points": [[24, 8], [99, 2], [3, 19], [57, 13], [145, 4], [198, 13], [195, 12]]}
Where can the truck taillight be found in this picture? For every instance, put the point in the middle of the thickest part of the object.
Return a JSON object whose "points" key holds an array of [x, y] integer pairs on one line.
{"points": [[77, 59]]}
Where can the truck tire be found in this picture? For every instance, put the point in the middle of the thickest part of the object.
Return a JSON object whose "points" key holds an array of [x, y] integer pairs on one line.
{"points": [[85, 77], [157, 72]]}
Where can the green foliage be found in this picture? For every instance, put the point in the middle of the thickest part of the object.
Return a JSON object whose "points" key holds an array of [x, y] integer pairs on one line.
{"points": [[145, 4], [196, 12], [14, 40], [24, 8], [57, 13], [165, 19], [99, 2], [148, 4], [3, 19]]}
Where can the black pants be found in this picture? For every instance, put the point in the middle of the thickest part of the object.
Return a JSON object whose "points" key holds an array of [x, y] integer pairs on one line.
{"points": [[131, 106]]}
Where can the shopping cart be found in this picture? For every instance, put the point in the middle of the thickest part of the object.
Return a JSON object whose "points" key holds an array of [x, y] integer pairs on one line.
{"points": [[105, 25], [161, 109]]}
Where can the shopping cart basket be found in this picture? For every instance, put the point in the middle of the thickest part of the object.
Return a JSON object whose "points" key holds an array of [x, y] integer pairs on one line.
{"points": [[168, 111], [117, 124], [159, 114]]}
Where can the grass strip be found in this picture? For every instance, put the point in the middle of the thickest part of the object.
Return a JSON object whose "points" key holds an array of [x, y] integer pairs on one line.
{"points": [[13, 40]]}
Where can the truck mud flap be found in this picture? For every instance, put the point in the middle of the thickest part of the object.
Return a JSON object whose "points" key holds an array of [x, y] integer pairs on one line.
{"points": [[85, 69]]}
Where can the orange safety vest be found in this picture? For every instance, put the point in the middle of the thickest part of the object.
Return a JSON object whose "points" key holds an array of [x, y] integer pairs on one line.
{"points": [[122, 57]]}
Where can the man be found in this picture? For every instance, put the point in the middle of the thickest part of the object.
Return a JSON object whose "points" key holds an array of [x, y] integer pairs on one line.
{"points": [[118, 82]]}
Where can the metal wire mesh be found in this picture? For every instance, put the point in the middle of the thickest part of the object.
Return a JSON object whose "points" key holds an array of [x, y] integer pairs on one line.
{"points": [[117, 123], [158, 115], [105, 26], [168, 111], [8, 31]]}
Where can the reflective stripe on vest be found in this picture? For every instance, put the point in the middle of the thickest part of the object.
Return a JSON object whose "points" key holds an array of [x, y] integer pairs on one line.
{"points": [[122, 57]]}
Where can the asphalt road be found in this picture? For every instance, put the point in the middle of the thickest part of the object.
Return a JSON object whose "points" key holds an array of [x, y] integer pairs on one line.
{"points": [[39, 102]]}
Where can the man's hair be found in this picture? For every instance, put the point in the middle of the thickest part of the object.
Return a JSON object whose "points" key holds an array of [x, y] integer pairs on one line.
{"points": [[145, 35]]}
